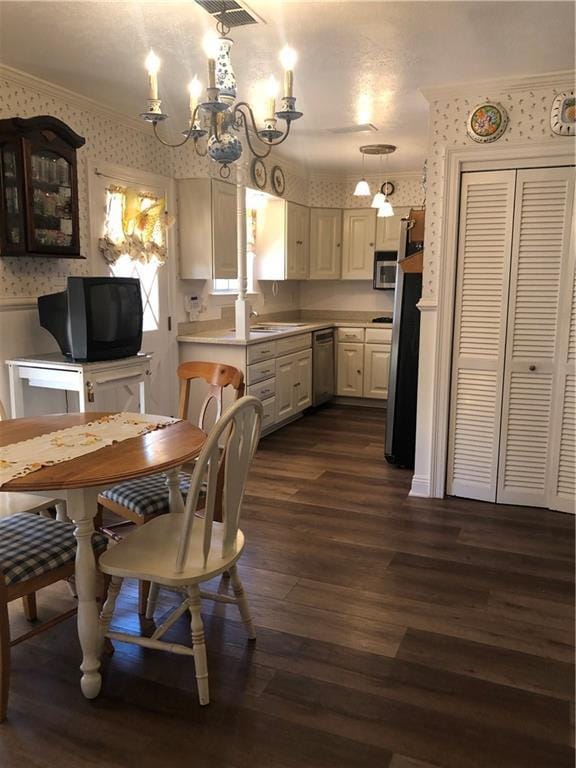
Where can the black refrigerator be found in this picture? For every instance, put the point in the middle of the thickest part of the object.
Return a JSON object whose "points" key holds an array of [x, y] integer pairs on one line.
{"points": [[400, 443]]}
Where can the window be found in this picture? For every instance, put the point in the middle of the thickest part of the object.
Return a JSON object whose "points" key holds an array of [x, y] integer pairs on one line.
{"points": [[137, 239]]}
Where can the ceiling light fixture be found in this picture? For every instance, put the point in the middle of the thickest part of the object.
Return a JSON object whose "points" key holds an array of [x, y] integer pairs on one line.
{"points": [[362, 188], [219, 118], [380, 200]]}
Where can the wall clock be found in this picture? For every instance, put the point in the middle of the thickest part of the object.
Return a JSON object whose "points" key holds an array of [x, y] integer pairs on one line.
{"points": [[258, 171], [563, 114], [387, 188], [278, 181], [487, 122]]}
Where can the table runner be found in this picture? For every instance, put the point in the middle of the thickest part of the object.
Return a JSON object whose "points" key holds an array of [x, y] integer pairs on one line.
{"points": [[27, 456]]}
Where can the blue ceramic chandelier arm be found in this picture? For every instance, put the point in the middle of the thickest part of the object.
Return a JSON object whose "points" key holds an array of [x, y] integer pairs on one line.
{"points": [[187, 132], [244, 121]]}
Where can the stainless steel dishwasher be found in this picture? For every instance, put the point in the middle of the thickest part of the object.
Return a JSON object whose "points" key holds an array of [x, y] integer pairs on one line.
{"points": [[323, 366]]}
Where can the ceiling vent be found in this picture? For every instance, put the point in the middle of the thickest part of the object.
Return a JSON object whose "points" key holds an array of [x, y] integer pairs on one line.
{"points": [[362, 128], [236, 14]]}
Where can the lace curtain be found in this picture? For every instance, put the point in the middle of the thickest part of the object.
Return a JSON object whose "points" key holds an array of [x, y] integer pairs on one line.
{"points": [[135, 226]]}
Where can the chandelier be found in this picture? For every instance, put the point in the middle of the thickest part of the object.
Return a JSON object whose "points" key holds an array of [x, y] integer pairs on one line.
{"points": [[380, 200], [219, 118]]}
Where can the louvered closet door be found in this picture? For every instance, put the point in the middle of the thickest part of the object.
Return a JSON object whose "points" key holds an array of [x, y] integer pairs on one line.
{"points": [[486, 215], [540, 269]]}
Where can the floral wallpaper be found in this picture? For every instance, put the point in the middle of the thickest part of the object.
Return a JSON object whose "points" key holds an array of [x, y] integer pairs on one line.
{"points": [[106, 139], [529, 121], [337, 192]]}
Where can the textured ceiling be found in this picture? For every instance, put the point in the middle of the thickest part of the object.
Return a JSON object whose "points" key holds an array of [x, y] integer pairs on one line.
{"points": [[359, 61]]}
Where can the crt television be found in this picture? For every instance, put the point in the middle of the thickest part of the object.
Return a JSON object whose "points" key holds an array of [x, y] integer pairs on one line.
{"points": [[95, 318]]}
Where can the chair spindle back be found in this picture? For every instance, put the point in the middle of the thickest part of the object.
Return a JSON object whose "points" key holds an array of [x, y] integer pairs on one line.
{"points": [[226, 473]]}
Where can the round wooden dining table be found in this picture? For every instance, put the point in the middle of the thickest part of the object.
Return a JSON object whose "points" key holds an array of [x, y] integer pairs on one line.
{"points": [[79, 481]]}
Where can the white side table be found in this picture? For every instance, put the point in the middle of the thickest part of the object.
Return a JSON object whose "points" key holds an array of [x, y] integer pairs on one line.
{"points": [[55, 371]]}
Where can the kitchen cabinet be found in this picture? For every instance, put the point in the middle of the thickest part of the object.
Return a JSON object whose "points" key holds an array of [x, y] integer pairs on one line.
{"points": [[39, 188], [363, 362], [388, 229], [358, 243], [282, 241], [207, 222], [350, 369], [325, 243], [293, 384], [376, 369]]}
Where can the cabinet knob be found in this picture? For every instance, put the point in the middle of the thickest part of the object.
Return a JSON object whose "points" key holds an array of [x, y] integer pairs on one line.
{"points": [[371, 245], [337, 245], [531, 367], [358, 371]]}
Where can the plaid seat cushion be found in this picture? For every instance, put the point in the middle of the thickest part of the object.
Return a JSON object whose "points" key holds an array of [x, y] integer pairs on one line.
{"points": [[31, 545], [147, 496]]}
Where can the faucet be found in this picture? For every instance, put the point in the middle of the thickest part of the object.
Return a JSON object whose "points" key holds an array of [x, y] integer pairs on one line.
{"points": [[253, 313]]}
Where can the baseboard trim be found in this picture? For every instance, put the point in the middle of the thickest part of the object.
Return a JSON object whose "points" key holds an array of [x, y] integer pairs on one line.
{"points": [[420, 487]]}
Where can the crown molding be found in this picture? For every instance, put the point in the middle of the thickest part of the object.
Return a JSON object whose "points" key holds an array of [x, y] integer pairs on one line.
{"points": [[26, 80], [564, 79]]}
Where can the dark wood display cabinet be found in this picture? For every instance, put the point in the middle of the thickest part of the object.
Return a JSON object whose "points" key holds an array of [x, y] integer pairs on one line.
{"points": [[39, 188]]}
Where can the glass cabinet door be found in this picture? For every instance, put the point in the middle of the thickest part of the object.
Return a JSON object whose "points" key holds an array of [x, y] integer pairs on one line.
{"points": [[51, 217], [12, 202]]}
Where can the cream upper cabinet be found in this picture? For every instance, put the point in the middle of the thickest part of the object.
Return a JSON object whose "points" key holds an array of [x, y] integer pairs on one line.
{"points": [[207, 229], [282, 241], [350, 373], [358, 243], [325, 243], [297, 241], [376, 369], [388, 229]]}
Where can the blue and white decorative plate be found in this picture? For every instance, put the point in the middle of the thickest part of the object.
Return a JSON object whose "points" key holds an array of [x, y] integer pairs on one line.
{"points": [[259, 175], [278, 181]]}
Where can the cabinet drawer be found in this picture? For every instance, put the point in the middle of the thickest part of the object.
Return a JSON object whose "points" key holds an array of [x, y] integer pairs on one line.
{"points": [[378, 335], [293, 344], [263, 390], [263, 351], [260, 371], [351, 334], [269, 414]]}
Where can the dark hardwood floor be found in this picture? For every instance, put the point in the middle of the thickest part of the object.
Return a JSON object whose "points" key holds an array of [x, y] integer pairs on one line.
{"points": [[393, 632]]}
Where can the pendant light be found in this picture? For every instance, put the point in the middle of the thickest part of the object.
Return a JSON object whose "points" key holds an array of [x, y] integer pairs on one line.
{"points": [[362, 188]]}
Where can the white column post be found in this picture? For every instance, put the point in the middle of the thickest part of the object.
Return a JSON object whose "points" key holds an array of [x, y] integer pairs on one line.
{"points": [[242, 305]]}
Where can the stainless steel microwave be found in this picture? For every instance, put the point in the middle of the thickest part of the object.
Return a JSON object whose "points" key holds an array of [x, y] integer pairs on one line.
{"points": [[385, 270]]}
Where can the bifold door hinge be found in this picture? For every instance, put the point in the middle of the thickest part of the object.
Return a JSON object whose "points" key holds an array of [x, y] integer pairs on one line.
{"points": [[169, 323]]}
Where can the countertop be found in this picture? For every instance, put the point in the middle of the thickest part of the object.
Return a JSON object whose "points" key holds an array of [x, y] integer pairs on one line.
{"points": [[227, 336]]}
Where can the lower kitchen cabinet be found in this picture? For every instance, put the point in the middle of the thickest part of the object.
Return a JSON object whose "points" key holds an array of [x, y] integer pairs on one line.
{"points": [[350, 370], [293, 384], [363, 362], [376, 370]]}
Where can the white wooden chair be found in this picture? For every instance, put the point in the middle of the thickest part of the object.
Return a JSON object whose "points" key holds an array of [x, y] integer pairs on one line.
{"points": [[14, 504], [139, 501], [183, 550]]}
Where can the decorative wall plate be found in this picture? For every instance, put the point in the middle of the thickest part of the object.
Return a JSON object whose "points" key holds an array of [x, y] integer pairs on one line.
{"points": [[259, 175], [278, 181], [387, 188], [487, 122], [563, 114]]}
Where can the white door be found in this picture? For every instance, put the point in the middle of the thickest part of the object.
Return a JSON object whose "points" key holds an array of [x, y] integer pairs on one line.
{"points": [[284, 387], [224, 230], [159, 329], [540, 264], [325, 243], [562, 474], [303, 380], [484, 246], [376, 370], [350, 370], [358, 243]]}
